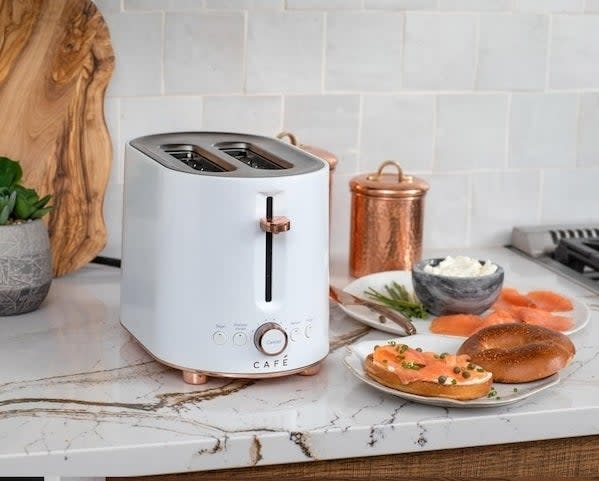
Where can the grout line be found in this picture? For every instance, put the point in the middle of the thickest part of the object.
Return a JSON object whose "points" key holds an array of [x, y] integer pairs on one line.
{"points": [[244, 54], [402, 52], [435, 160], [323, 63], [541, 188], [508, 123], [282, 119], [359, 132], [476, 50], [578, 127], [469, 210], [163, 50], [548, 55]]}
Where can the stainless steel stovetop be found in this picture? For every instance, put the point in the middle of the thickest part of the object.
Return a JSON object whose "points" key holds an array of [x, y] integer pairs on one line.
{"points": [[569, 250]]}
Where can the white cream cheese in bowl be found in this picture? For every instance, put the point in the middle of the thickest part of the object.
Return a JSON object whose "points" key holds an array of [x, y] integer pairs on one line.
{"points": [[461, 266]]}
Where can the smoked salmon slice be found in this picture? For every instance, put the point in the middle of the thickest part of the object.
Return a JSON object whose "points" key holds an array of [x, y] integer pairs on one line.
{"points": [[540, 317], [550, 301], [512, 297], [456, 324]]}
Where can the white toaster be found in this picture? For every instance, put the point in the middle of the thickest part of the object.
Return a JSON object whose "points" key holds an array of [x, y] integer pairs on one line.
{"points": [[225, 254]]}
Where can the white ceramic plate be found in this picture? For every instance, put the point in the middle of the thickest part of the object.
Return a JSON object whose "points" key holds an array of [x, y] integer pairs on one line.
{"points": [[506, 393], [580, 314]]}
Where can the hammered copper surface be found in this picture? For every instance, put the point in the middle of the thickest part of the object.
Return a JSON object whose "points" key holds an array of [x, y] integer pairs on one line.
{"points": [[386, 223]]}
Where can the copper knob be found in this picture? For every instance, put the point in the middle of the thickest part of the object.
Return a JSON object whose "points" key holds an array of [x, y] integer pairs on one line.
{"points": [[275, 225]]}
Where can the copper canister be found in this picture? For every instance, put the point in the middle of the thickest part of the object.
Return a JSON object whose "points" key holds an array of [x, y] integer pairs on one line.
{"points": [[325, 155], [387, 217]]}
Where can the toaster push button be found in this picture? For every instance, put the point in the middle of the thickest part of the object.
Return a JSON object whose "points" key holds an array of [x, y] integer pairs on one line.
{"points": [[219, 338], [308, 331], [270, 339], [239, 338]]}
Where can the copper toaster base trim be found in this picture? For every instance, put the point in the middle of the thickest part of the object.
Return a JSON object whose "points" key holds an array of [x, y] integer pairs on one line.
{"points": [[194, 376]]}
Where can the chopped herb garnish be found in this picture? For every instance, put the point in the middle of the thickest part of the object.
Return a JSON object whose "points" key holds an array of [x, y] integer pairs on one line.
{"points": [[453, 381], [403, 348], [391, 343], [398, 298], [480, 369], [515, 389]]}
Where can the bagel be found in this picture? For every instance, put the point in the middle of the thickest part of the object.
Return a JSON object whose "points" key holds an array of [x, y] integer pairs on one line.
{"points": [[426, 373], [518, 352]]}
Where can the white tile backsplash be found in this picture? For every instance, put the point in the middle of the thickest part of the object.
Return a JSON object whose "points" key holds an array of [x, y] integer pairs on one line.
{"points": [[574, 61], [363, 51], [138, 53], [284, 52], [254, 115], [397, 127], [440, 51], [588, 131], [512, 52], [499, 202], [401, 4], [476, 5], [550, 5], [205, 53], [323, 4], [570, 194], [471, 132], [446, 211], [494, 102], [326, 121], [543, 130]]}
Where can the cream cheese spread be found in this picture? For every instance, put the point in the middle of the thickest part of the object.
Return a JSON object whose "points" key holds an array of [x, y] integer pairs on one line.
{"points": [[461, 266]]}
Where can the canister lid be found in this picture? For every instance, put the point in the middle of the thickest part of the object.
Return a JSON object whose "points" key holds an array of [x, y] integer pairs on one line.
{"points": [[325, 155], [396, 184]]}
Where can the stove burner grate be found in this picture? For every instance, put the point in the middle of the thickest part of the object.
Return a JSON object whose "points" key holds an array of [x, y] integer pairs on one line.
{"points": [[582, 255]]}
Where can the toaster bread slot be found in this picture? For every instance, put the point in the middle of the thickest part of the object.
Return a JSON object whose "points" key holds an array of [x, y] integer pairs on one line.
{"points": [[253, 156], [189, 155]]}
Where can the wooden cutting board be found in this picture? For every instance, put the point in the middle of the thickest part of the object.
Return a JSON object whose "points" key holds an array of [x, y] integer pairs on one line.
{"points": [[56, 60]]}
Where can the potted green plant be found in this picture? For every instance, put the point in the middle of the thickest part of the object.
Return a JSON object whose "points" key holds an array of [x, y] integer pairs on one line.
{"points": [[25, 257]]}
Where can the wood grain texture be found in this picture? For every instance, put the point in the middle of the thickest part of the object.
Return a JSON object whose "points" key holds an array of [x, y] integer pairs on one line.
{"points": [[574, 458], [56, 60]]}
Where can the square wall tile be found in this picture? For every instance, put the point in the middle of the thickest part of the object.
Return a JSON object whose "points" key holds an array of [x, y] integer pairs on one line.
{"points": [[543, 130], [588, 129], [475, 5], [574, 61], [137, 43], [592, 6], [471, 131], [246, 4], [326, 121], [401, 4], [254, 115], [439, 51], [340, 216], [108, 6], [397, 127], [154, 115], [446, 211], [512, 51], [112, 113], [323, 4], [363, 51], [570, 196], [203, 53], [501, 200], [550, 5], [284, 52]]}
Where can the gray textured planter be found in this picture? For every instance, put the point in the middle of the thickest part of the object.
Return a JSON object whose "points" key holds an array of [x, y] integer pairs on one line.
{"points": [[25, 267]]}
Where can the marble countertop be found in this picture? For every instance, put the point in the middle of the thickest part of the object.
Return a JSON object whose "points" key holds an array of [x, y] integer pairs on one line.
{"points": [[76, 391]]}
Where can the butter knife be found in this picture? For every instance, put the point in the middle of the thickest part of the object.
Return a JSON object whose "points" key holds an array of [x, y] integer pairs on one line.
{"points": [[346, 299]]}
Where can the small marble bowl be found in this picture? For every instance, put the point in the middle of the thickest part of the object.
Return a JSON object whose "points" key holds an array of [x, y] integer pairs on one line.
{"points": [[443, 295]]}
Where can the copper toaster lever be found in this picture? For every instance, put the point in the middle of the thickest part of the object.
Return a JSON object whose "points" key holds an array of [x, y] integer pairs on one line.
{"points": [[275, 225]]}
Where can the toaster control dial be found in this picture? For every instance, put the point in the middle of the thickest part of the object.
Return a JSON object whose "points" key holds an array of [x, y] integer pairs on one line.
{"points": [[270, 339]]}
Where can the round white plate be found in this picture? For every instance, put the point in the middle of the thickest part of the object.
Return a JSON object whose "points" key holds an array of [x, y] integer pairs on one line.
{"points": [[505, 393], [580, 314]]}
